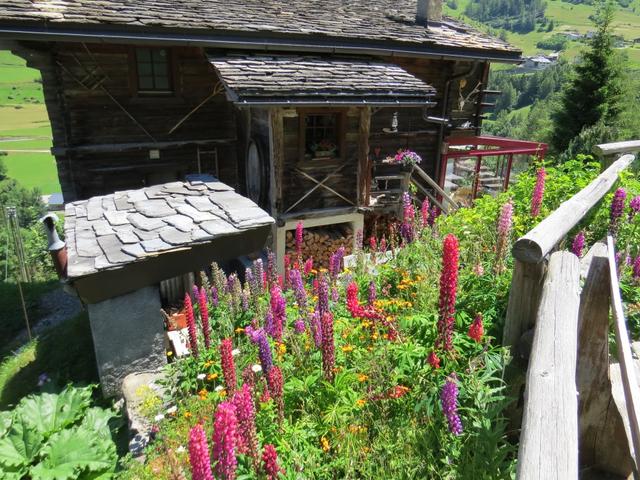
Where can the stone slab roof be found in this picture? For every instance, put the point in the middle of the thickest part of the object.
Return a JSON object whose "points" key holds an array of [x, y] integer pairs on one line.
{"points": [[312, 79], [315, 20], [111, 231]]}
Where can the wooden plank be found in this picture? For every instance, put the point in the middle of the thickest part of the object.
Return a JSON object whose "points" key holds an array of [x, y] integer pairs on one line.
{"points": [[364, 162], [433, 184], [629, 378], [606, 149], [549, 437], [128, 147], [524, 298], [539, 241], [600, 423]]}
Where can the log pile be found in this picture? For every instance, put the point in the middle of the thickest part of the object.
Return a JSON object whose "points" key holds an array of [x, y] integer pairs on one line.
{"points": [[321, 243]]}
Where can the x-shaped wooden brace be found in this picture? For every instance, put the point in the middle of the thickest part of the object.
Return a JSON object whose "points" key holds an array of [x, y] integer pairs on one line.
{"points": [[319, 184]]}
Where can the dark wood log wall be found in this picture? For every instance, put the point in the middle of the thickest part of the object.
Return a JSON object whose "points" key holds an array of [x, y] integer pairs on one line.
{"points": [[80, 81]]}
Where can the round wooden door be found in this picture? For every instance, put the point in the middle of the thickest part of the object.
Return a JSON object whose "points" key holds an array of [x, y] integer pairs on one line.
{"points": [[257, 174]]}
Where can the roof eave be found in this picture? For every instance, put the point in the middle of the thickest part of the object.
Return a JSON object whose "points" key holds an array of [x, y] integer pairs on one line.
{"points": [[231, 40], [329, 101]]}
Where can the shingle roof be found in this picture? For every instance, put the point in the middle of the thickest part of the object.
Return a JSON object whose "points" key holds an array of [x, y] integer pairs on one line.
{"points": [[111, 231], [315, 20], [255, 79]]}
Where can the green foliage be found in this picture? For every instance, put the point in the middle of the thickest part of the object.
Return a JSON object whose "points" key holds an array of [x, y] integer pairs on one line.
{"points": [[517, 16], [556, 42], [57, 437]]}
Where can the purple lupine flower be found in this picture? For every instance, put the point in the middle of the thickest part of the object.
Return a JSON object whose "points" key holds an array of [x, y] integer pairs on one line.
{"points": [[578, 244], [323, 295], [214, 296], [264, 349], [328, 346], [272, 269], [359, 240], [449, 402], [279, 311], [372, 292], [224, 441], [258, 274], [636, 268], [634, 204], [335, 262], [295, 277], [245, 295], [538, 192], [335, 295], [299, 325], [199, 454], [617, 208], [435, 213], [268, 324], [204, 317], [316, 328], [196, 294], [251, 281]]}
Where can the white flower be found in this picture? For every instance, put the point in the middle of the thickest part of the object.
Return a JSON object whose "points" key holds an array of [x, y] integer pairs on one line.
{"points": [[181, 449], [202, 376], [158, 417], [219, 388], [256, 368], [235, 352], [172, 410]]}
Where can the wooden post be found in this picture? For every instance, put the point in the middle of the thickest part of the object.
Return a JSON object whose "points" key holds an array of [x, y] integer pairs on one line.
{"points": [[364, 164], [524, 298], [599, 420], [549, 437]]}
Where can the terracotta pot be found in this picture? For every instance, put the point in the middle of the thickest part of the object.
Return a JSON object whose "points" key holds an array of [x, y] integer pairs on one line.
{"points": [[177, 321]]}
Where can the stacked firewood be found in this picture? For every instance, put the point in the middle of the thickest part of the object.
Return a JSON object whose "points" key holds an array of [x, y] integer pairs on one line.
{"points": [[321, 243]]}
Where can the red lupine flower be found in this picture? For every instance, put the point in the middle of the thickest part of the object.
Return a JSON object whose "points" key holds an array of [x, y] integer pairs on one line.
{"points": [[199, 454], [224, 441], [308, 266], [191, 324], [270, 462], [373, 243], [433, 360], [204, 316], [276, 388], [228, 366], [538, 192], [476, 329], [448, 291]]}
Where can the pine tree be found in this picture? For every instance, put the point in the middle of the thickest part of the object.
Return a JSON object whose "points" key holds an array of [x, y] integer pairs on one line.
{"points": [[595, 92]]}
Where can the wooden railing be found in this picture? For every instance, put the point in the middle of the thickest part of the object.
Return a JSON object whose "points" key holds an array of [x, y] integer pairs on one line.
{"points": [[569, 352]]}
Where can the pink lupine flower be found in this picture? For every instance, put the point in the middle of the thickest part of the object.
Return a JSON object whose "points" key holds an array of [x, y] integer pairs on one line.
{"points": [[408, 216], [372, 292], [578, 244], [476, 329], [449, 402], [505, 221], [308, 266], [299, 326], [191, 324], [634, 204], [538, 192], [323, 295], [228, 365], [246, 417], [373, 243], [270, 462], [276, 389], [617, 208], [299, 292], [204, 317], [279, 312], [224, 441], [478, 269], [424, 212], [359, 240], [199, 454], [328, 346], [448, 291], [299, 233]]}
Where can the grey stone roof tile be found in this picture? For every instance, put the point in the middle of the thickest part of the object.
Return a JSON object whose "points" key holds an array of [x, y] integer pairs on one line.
{"points": [[155, 245], [154, 208], [143, 222]]}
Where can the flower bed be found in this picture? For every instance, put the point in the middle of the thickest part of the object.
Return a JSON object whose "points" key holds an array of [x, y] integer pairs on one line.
{"points": [[384, 370]]}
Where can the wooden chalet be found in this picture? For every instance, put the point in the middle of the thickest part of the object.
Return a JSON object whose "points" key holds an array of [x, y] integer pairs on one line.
{"points": [[293, 103]]}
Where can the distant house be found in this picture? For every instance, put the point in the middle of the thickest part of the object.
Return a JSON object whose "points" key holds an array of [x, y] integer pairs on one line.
{"points": [[539, 62], [572, 35]]}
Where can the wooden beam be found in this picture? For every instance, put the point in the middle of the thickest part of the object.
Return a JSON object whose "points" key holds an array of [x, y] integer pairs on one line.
{"points": [[600, 423], [127, 147], [524, 299], [549, 437], [629, 378], [607, 149], [537, 243], [433, 184], [364, 162], [277, 152]]}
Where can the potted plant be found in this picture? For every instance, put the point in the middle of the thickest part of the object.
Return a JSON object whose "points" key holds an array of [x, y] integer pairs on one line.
{"points": [[407, 159], [324, 149]]}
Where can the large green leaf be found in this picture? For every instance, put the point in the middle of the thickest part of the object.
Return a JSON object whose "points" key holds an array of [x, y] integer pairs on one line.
{"points": [[96, 420], [49, 413], [5, 422], [20, 445], [11, 473], [73, 454]]}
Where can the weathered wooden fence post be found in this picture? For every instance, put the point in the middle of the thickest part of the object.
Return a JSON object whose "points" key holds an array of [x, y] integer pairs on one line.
{"points": [[549, 438]]}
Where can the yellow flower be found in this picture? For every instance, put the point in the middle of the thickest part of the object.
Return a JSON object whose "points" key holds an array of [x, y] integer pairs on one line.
{"points": [[223, 393], [374, 336], [212, 376], [365, 450], [187, 415], [208, 363], [362, 377], [361, 402], [282, 348], [347, 348], [239, 330], [325, 444], [169, 353], [203, 394]]}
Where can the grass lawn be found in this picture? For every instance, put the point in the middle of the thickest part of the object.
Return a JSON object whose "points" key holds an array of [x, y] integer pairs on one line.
{"points": [[33, 170], [64, 353]]}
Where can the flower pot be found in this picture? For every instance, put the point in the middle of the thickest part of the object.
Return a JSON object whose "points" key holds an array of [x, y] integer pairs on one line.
{"points": [[177, 321]]}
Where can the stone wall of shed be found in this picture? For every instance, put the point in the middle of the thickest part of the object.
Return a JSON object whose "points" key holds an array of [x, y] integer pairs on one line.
{"points": [[91, 97]]}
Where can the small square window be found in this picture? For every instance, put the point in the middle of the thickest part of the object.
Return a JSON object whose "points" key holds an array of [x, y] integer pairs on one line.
{"points": [[321, 136], [153, 70]]}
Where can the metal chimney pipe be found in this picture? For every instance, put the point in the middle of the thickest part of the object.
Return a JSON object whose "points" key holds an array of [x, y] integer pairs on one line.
{"points": [[428, 12], [421, 12], [57, 248]]}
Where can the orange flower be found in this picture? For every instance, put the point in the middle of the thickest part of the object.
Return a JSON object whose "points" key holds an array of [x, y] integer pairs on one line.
{"points": [[212, 376], [325, 444], [361, 402], [362, 377], [187, 415], [347, 348]]}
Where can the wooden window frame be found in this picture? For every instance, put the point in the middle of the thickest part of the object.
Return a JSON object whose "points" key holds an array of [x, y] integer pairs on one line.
{"points": [[134, 78], [341, 125]]}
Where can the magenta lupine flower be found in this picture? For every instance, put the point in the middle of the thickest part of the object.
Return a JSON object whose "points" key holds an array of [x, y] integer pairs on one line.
{"points": [[275, 383], [408, 216], [199, 454], [316, 328], [258, 274], [328, 346], [578, 244], [204, 317], [372, 292], [505, 221], [270, 462], [424, 212], [246, 416], [323, 295], [373, 243], [299, 233], [634, 204], [448, 291], [308, 266], [191, 324], [636, 268], [435, 213], [298, 290], [383, 243], [617, 208], [272, 269], [228, 366], [299, 326], [359, 240], [449, 402], [214, 296], [335, 295], [224, 441], [538, 192], [279, 312]]}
